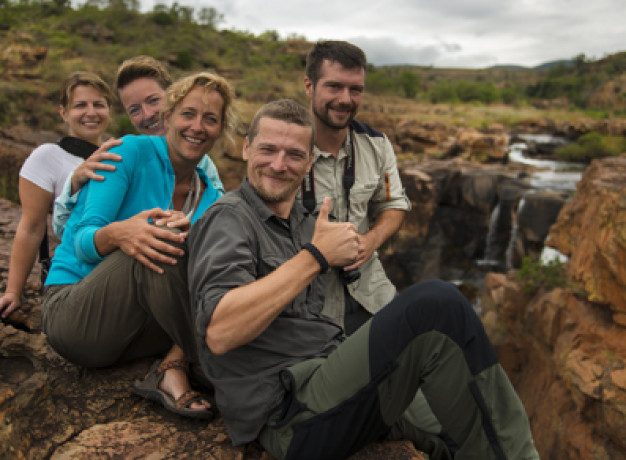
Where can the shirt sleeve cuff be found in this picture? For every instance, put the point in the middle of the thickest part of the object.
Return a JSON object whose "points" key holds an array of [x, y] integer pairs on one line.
{"points": [[85, 246]]}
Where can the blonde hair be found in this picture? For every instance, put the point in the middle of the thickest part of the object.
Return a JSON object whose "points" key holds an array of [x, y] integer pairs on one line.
{"points": [[209, 82], [82, 78], [141, 67]]}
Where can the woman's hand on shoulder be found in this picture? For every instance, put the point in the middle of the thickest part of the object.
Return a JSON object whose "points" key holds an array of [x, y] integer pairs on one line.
{"points": [[9, 302], [87, 169]]}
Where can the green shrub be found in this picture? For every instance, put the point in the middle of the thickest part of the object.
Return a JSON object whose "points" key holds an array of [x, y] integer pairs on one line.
{"points": [[184, 60], [377, 81], [163, 18], [409, 82], [122, 126], [536, 275], [592, 145]]}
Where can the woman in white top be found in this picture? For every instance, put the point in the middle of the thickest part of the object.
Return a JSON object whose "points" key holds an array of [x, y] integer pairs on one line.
{"points": [[86, 108]]}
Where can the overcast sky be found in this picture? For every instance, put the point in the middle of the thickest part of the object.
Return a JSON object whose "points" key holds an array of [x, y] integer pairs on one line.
{"points": [[442, 33]]}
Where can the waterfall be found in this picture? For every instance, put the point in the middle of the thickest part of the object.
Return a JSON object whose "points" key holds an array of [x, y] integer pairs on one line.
{"points": [[510, 250], [491, 245]]}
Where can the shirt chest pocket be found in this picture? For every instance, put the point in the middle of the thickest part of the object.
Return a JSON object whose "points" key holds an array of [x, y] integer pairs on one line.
{"points": [[268, 263], [360, 195]]}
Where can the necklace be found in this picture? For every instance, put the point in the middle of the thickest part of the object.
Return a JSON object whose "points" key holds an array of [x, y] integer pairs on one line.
{"points": [[193, 196]]}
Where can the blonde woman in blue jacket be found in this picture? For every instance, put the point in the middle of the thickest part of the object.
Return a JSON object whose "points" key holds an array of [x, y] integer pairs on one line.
{"points": [[117, 289]]}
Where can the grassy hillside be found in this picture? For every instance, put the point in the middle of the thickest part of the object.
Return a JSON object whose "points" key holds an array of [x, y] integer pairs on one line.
{"points": [[42, 41]]}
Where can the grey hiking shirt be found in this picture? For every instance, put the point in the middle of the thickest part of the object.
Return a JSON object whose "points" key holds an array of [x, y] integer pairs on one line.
{"points": [[237, 241]]}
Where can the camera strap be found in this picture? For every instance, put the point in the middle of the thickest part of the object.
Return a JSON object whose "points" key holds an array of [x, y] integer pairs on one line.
{"points": [[79, 148], [308, 183]]}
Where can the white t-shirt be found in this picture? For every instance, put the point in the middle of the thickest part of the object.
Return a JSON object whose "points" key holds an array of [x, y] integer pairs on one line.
{"points": [[48, 166]]}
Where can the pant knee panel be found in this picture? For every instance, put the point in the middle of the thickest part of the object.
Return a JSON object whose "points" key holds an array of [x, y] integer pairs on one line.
{"points": [[427, 306]]}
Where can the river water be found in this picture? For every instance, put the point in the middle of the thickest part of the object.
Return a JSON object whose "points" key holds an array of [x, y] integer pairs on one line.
{"points": [[558, 176]]}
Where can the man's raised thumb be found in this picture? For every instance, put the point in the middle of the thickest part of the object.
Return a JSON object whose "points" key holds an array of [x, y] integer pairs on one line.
{"points": [[324, 209]]}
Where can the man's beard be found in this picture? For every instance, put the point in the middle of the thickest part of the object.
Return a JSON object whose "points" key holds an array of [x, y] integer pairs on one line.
{"points": [[324, 116], [270, 197]]}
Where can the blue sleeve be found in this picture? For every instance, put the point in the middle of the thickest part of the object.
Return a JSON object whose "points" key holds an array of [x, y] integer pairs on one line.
{"points": [[103, 200], [63, 206]]}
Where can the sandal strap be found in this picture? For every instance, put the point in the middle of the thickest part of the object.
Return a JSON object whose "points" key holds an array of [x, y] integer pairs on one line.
{"points": [[173, 364], [187, 398]]}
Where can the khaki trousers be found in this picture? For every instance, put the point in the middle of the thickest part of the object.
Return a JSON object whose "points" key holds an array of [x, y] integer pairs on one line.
{"points": [[121, 311]]}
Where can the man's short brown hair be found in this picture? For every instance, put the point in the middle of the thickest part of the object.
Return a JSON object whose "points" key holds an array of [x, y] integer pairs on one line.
{"points": [[348, 55], [286, 110], [142, 67]]}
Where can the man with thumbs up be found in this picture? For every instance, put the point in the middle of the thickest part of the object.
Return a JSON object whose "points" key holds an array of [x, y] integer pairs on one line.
{"points": [[284, 373]]}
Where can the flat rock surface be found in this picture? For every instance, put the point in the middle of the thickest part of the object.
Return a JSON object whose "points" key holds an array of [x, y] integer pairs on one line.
{"points": [[50, 408]]}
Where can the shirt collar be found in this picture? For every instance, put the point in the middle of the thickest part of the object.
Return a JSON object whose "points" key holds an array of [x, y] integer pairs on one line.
{"points": [[343, 151], [298, 212]]}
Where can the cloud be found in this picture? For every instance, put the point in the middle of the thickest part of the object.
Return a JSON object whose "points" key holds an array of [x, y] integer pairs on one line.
{"points": [[445, 33]]}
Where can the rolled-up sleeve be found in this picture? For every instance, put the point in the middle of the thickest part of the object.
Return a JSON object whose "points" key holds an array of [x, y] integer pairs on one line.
{"points": [[389, 193], [220, 259]]}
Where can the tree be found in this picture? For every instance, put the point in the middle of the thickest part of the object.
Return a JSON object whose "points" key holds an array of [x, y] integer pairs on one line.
{"points": [[209, 16], [409, 82]]}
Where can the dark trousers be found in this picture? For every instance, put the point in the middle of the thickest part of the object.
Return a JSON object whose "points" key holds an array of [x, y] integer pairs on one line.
{"points": [[429, 337]]}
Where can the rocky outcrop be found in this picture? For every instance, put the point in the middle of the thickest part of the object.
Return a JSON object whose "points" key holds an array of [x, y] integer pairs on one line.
{"points": [[564, 348], [23, 58], [593, 233], [571, 129], [465, 213], [50, 408]]}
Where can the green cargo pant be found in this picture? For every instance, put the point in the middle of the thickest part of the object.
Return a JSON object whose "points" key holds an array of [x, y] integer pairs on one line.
{"points": [[121, 311], [429, 337]]}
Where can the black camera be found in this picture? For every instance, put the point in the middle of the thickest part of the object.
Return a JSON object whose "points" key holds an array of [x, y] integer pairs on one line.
{"points": [[348, 277]]}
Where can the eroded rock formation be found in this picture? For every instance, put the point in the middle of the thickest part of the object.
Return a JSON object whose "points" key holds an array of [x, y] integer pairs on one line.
{"points": [[565, 348]]}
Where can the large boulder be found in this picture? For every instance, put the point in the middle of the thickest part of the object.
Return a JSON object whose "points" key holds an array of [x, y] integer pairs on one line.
{"points": [[564, 348], [566, 359], [15, 146], [591, 230]]}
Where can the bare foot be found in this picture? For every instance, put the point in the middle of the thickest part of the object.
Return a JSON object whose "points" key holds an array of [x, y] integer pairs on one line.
{"points": [[175, 383]]}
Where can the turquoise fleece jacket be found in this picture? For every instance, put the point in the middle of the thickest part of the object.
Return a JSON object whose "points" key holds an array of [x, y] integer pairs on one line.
{"points": [[143, 179]]}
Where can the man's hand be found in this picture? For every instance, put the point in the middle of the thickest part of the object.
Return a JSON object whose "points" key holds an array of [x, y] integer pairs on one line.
{"points": [[337, 241], [87, 169], [142, 240], [9, 302], [387, 223], [367, 246]]}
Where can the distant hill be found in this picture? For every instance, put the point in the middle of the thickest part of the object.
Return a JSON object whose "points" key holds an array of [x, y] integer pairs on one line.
{"points": [[540, 67], [552, 64]]}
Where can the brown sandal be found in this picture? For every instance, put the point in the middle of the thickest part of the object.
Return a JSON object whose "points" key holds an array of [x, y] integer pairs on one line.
{"points": [[149, 389]]}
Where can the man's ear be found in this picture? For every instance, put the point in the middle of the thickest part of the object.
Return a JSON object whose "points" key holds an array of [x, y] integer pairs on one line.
{"points": [[244, 151], [308, 87], [311, 157]]}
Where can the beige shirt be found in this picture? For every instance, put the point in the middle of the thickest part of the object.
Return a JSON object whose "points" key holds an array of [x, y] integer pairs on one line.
{"points": [[377, 187]]}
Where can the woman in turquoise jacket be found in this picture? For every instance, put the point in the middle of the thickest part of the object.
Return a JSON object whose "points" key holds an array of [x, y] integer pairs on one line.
{"points": [[117, 288]]}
